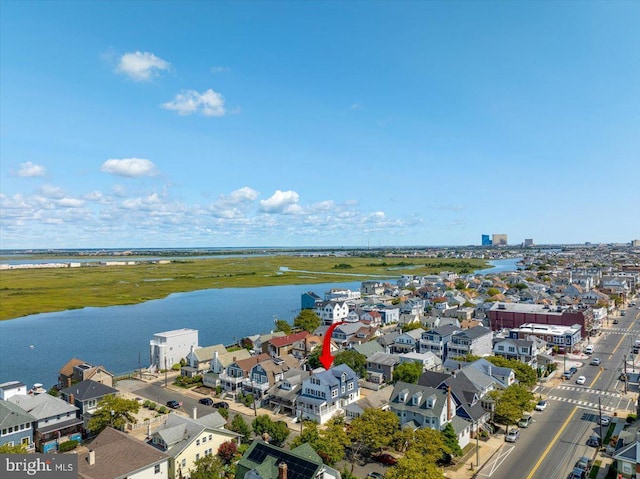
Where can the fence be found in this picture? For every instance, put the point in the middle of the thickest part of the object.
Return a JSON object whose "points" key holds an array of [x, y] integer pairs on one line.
{"points": [[147, 422]]}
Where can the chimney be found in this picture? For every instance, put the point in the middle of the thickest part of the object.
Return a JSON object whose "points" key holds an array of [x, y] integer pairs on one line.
{"points": [[282, 470], [92, 457], [68, 381], [195, 413], [72, 399], [448, 403]]}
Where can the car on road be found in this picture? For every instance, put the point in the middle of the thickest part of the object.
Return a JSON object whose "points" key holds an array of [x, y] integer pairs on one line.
{"points": [[615, 321], [525, 420], [385, 458], [595, 362], [566, 375], [206, 401], [588, 349], [623, 313], [375, 475], [220, 405], [173, 404], [604, 420], [581, 380], [573, 370], [594, 441], [542, 405], [512, 435]]}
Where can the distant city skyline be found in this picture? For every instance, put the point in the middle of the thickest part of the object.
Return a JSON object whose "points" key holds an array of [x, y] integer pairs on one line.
{"points": [[320, 124]]}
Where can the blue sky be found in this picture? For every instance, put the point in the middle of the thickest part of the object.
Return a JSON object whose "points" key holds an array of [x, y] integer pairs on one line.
{"points": [[180, 124]]}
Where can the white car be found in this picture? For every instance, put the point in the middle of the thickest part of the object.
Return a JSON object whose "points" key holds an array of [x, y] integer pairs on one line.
{"points": [[581, 380], [605, 420], [512, 435], [541, 406]]}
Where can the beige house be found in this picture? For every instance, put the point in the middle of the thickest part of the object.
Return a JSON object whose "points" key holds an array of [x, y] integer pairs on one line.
{"points": [[77, 370]]}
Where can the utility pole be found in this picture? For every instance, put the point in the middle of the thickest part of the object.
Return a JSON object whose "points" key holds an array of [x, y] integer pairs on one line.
{"points": [[477, 445], [600, 420], [626, 379], [165, 372]]}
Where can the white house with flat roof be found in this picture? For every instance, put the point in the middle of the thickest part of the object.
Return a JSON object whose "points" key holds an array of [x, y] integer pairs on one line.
{"points": [[566, 336], [168, 348]]}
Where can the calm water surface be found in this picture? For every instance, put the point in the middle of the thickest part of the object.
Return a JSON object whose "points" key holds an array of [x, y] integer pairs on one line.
{"points": [[33, 348]]}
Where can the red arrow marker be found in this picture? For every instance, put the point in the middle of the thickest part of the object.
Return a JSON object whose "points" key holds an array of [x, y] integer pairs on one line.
{"points": [[326, 358]]}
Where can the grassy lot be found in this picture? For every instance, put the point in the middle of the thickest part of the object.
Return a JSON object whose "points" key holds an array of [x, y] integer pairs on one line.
{"points": [[31, 291]]}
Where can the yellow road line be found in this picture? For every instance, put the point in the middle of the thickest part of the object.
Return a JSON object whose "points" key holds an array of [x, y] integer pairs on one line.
{"points": [[552, 443]]}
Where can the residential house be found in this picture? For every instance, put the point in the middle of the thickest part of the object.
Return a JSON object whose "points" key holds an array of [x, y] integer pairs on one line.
{"points": [[429, 361], [326, 393], [436, 340], [169, 347], [231, 378], [309, 300], [367, 349], [477, 341], [372, 287], [116, 455], [266, 461], [199, 359], [407, 342], [86, 395], [482, 373], [55, 420], [523, 350], [77, 370], [627, 460], [380, 367], [261, 343], [421, 406], [186, 440], [343, 333], [280, 347], [332, 311], [16, 426], [374, 400], [388, 340], [283, 395], [219, 364], [266, 374], [303, 347], [12, 388]]}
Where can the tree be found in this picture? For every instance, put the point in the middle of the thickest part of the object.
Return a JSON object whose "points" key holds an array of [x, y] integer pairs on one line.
{"points": [[282, 325], [493, 292], [414, 466], [227, 451], [239, 425], [411, 326], [511, 403], [372, 431], [353, 359], [313, 359], [53, 391], [408, 372], [450, 439], [278, 431], [115, 412], [430, 443], [17, 449], [310, 434], [329, 443], [307, 320], [207, 467]]}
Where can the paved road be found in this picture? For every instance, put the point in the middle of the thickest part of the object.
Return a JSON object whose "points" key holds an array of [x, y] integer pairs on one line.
{"points": [[557, 437]]}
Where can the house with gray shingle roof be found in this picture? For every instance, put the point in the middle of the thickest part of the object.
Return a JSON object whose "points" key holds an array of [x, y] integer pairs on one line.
{"points": [[86, 395], [186, 440], [55, 420], [16, 426], [380, 367], [200, 358], [115, 455], [421, 406]]}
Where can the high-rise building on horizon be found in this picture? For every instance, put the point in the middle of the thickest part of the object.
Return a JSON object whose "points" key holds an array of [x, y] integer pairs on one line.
{"points": [[528, 243], [486, 240], [499, 240]]}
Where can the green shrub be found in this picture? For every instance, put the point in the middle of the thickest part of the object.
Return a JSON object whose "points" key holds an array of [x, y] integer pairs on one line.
{"points": [[631, 418], [162, 409], [175, 367], [68, 446], [152, 406], [147, 403], [223, 412]]}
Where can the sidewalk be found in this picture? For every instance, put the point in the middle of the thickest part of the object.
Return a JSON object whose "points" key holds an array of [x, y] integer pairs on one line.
{"points": [[467, 469]]}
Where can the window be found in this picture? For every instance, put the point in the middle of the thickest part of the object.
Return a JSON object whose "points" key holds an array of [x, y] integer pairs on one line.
{"points": [[349, 386], [156, 469], [210, 437], [512, 349], [25, 441], [197, 456], [500, 348], [334, 393], [184, 463], [197, 442]]}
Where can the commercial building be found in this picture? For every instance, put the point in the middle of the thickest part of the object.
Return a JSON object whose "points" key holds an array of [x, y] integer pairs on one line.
{"points": [[486, 240], [499, 240], [514, 315]]}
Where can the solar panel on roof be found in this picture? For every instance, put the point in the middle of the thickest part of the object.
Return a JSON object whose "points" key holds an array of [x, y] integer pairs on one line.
{"points": [[297, 467]]}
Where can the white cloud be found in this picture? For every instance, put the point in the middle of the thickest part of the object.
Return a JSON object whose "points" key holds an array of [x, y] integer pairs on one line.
{"points": [[141, 66], [187, 102], [129, 167], [30, 170], [283, 202], [70, 202], [233, 205], [220, 69], [50, 191]]}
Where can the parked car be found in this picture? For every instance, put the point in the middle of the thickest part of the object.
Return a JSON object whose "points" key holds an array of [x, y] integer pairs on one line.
{"points": [[173, 404], [512, 435], [594, 441], [588, 349], [595, 362], [584, 462], [206, 401], [220, 405], [581, 380], [375, 475], [604, 420], [385, 458], [578, 473], [615, 321], [525, 421], [573, 370], [542, 405], [566, 375]]}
